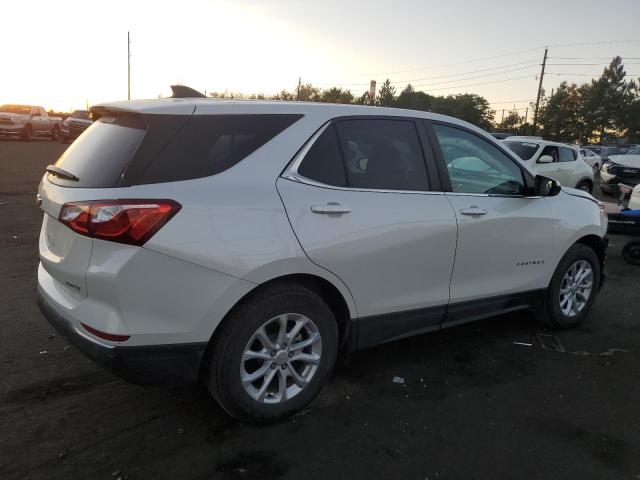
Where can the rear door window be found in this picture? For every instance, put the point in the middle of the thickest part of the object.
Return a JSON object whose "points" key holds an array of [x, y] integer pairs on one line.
{"points": [[382, 154]]}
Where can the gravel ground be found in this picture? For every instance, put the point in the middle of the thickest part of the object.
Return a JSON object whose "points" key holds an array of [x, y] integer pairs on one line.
{"points": [[473, 403]]}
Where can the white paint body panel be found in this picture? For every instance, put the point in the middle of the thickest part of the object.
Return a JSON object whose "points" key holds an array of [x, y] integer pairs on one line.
{"points": [[393, 252]]}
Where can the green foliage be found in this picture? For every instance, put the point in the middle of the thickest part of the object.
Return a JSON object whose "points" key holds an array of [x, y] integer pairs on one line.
{"points": [[387, 95], [603, 109]]}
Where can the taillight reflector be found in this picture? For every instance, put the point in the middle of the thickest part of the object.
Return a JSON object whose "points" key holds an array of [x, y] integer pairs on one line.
{"points": [[132, 222], [106, 336]]}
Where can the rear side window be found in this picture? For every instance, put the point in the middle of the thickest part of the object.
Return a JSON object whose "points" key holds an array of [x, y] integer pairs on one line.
{"points": [[210, 144], [567, 154], [103, 151], [323, 161]]}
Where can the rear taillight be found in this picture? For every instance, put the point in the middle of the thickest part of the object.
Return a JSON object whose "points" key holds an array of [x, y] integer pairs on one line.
{"points": [[124, 221]]}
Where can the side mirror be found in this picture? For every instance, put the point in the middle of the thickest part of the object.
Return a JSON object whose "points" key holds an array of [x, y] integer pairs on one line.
{"points": [[546, 187], [545, 159]]}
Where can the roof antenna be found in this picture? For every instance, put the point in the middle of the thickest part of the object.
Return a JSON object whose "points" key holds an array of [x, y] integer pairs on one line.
{"points": [[182, 91]]}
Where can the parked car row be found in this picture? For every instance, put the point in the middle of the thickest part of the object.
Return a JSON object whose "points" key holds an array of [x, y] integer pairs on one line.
{"points": [[559, 161], [27, 121], [619, 169]]}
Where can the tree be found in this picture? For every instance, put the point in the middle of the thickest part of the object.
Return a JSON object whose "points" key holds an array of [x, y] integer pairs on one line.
{"points": [[610, 98], [387, 95], [561, 115], [469, 107], [308, 93], [284, 96], [336, 95], [414, 100], [511, 122]]}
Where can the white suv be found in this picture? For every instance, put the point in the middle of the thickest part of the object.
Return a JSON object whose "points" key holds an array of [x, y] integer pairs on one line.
{"points": [[559, 161], [245, 244]]}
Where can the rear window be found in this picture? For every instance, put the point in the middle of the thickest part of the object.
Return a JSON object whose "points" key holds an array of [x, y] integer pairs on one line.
{"points": [[142, 149], [210, 144], [102, 152]]}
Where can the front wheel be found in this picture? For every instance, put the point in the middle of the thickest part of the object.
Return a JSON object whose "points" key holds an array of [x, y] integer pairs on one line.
{"points": [[585, 186], [572, 290], [273, 355], [631, 252]]}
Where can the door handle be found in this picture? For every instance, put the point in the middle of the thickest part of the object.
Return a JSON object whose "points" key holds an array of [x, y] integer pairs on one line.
{"points": [[330, 208], [473, 211]]}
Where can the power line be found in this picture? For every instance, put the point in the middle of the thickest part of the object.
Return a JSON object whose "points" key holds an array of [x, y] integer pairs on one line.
{"points": [[472, 71], [605, 42], [481, 83], [472, 78], [590, 64], [588, 74], [510, 101], [430, 67], [593, 58]]}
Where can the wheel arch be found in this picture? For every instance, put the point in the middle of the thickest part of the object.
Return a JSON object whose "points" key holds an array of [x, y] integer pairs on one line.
{"points": [[329, 292], [598, 245]]}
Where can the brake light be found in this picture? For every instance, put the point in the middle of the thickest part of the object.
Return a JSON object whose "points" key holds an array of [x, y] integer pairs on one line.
{"points": [[132, 222]]}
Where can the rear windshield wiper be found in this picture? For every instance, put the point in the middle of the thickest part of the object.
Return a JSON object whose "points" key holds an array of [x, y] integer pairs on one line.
{"points": [[59, 172]]}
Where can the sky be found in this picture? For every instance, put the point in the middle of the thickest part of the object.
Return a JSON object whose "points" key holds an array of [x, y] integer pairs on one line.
{"points": [[72, 52]]}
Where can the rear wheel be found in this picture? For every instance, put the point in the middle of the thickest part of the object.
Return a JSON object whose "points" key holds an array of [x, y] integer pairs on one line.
{"points": [[631, 252], [55, 134], [273, 355], [572, 290], [585, 186], [25, 136]]}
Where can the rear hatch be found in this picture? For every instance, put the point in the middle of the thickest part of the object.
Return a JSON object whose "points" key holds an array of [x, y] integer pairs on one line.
{"points": [[94, 168]]}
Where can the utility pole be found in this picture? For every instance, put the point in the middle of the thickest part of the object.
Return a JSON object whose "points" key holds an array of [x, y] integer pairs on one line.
{"points": [[128, 67], [535, 112], [298, 93], [502, 119]]}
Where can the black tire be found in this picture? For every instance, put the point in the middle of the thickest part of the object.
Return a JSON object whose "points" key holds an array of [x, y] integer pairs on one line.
{"points": [[631, 252], [25, 136], [222, 363], [585, 186], [55, 134], [550, 313]]}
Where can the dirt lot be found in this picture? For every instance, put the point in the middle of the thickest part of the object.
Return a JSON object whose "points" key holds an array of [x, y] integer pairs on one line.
{"points": [[473, 405]]}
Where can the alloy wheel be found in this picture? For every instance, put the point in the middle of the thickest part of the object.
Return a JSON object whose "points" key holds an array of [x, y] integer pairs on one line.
{"points": [[575, 288], [281, 358]]}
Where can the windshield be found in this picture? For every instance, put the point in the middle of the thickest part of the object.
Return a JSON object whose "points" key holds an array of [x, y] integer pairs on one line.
{"points": [[22, 109], [607, 152], [635, 151], [83, 114], [525, 150]]}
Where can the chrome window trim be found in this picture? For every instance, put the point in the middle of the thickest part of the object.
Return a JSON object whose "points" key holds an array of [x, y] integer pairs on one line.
{"points": [[291, 172]]}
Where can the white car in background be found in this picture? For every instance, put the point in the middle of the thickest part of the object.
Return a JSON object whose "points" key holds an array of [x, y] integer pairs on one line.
{"points": [[559, 161], [591, 159], [244, 244], [634, 200]]}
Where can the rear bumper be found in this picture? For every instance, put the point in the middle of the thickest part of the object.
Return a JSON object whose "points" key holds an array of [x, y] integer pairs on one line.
{"points": [[174, 364]]}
